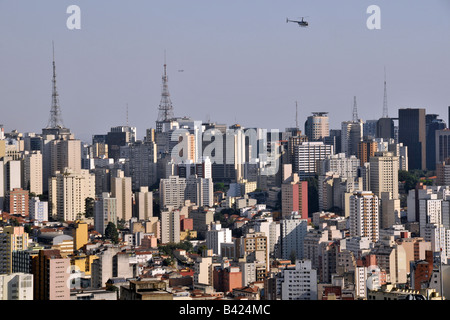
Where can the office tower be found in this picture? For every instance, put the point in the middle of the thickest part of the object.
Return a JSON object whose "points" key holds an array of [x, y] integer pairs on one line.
{"points": [[433, 124], [345, 167], [216, 236], [16, 286], [294, 141], [18, 202], [32, 172], [99, 146], [68, 192], [334, 140], [351, 135], [144, 204], [293, 231], [307, 156], [141, 164], [105, 211], [366, 149], [12, 239], [122, 191], [299, 282], [385, 128], [400, 151], [412, 133], [38, 209], [317, 126], [442, 145], [203, 169], [370, 129], [51, 274], [117, 137], [294, 197], [172, 191], [170, 226], [384, 174], [363, 215]]}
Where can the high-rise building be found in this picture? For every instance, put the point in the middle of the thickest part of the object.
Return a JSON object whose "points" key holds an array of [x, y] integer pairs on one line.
{"points": [[216, 236], [68, 192], [170, 226], [307, 157], [366, 149], [299, 282], [442, 145], [143, 204], [433, 124], [363, 215], [105, 211], [22, 284], [121, 190], [141, 164], [385, 128], [317, 126], [294, 197], [384, 174], [345, 167], [65, 155], [18, 202], [38, 209], [293, 231], [51, 274], [12, 239], [412, 133], [32, 172], [351, 135], [172, 191]]}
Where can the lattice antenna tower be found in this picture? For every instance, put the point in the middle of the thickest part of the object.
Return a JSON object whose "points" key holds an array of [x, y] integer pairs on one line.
{"points": [[355, 110], [385, 105], [296, 114], [55, 120], [165, 106]]}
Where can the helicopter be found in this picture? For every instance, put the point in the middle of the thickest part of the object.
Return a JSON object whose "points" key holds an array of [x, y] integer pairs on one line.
{"points": [[301, 23]]}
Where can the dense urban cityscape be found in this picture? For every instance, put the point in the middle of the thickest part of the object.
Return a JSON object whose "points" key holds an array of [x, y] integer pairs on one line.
{"points": [[205, 211]]}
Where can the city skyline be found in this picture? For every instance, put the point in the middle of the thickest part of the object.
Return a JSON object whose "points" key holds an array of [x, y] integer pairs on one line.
{"points": [[229, 63]]}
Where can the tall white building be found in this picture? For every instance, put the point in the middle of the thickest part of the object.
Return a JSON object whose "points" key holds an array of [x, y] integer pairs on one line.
{"points": [[346, 167], [307, 157], [38, 209], [363, 215], [299, 283], [172, 191], [16, 286], [293, 231], [216, 236]]}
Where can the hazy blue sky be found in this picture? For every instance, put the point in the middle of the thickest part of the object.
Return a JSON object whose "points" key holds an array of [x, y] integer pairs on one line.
{"points": [[241, 60]]}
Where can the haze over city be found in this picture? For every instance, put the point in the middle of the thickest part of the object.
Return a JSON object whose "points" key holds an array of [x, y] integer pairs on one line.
{"points": [[227, 61]]}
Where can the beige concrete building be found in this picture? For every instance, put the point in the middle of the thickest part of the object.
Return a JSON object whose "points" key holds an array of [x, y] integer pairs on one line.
{"points": [[65, 155], [144, 204], [67, 194], [384, 174], [11, 239], [364, 215], [32, 172], [121, 190]]}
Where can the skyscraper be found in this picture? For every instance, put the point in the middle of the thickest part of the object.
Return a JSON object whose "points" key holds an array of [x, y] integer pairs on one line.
{"points": [[363, 215], [412, 133], [317, 126]]}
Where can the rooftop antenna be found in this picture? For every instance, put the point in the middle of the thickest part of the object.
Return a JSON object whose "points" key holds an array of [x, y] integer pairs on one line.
{"points": [[55, 120], [355, 110], [296, 114], [127, 114], [165, 106], [385, 106]]}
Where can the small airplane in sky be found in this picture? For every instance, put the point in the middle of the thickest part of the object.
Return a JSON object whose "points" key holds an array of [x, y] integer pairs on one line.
{"points": [[301, 23]]}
